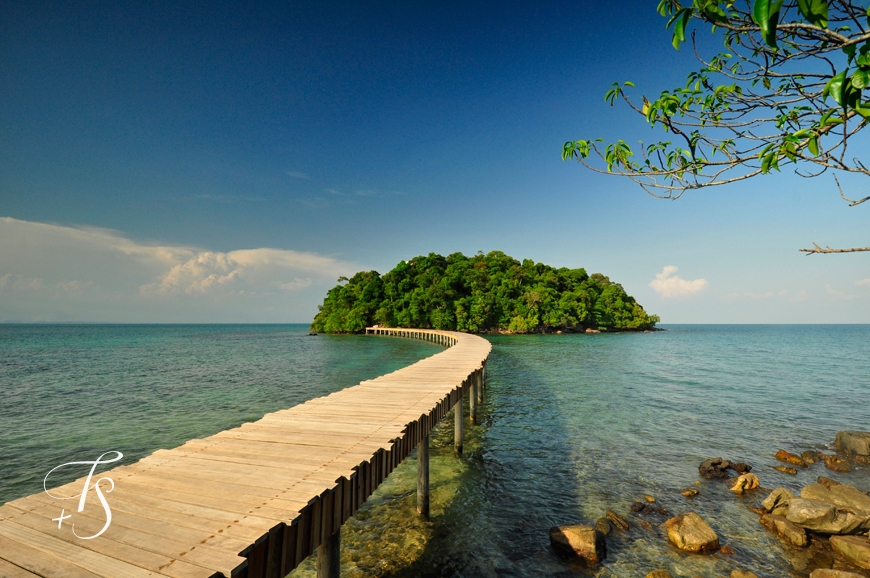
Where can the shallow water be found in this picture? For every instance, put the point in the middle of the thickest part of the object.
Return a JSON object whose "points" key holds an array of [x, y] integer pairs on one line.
{"points": [[571, 425]]}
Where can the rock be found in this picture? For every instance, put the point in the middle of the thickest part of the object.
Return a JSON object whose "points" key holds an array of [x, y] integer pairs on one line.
{"points": [[811, 456], [617, 520], [649, 498], [856, 550], [743, 574], [792, 533], [603, 526], [690, 533], [690, 492], [840, 495], [855, 444], [776, 498], [727, 550], [828, 573], [741, 468], [823, 517], [659, 574], [837, 464], [827, 482], [745, 483], [590, 330], [714, 469], [584, 541], [647, 508], [753, 509], [790, 458], [786, 470]]}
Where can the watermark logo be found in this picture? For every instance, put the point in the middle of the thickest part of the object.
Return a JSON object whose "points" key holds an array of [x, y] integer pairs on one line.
{"points": [[87, 488]]}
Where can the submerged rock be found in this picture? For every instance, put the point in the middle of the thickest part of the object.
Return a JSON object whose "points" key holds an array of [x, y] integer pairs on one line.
{"points": [[743, 574], [811, 456], [690, 533], [855, 549], [617, 520], [740, 467], [837, 464], [647, 508], [659, 574], [792, 533], [603, 526], [690, 492], [584, 541], [786, 470], [790, 458], [855, 444], [827, 482], [649, 498], [745, 483]]}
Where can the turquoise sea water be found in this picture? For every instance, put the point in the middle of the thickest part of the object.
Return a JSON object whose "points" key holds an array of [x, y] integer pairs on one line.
{"points": [[572, 425]]}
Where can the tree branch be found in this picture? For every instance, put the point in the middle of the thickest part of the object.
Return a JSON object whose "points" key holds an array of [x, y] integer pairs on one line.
{"points": [[817, 249]]}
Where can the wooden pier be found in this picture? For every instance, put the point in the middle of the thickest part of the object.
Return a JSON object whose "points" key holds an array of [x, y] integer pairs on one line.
{"points": [[254, 501]]}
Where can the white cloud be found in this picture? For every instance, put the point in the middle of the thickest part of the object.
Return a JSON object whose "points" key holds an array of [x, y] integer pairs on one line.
{"points": [[667, 284], [100, 275], [837, 294], [863, 282], [299, 175]]}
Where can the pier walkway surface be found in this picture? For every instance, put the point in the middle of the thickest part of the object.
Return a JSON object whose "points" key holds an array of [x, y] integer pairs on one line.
{"points": [[253, 501]]}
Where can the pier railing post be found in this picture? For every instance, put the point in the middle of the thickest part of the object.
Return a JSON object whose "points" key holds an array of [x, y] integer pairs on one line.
{"points": [[458, 424], [329, 557], [423, 477]]}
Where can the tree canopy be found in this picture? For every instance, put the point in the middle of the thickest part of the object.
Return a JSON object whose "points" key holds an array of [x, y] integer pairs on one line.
{"points": [[483, 293], [786, 90]]}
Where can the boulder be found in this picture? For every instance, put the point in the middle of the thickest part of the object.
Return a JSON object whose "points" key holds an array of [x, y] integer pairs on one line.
{"points": [[690, 533], [855, 444], [811, 456], [837, 464], [714, 469], [790, 532], [740, 467], [745, 483], [776, 499], [790, 458], [743, 574], [829, 573], [583, 541], [855, 549], [840, 495], [823, 517]]}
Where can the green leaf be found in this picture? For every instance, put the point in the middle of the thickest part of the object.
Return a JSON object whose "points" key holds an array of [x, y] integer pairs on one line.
{"points": [[813, 145], [850, 51], [861, 79], [834, 88], [863, 60], [766, 15], [815, 11]]}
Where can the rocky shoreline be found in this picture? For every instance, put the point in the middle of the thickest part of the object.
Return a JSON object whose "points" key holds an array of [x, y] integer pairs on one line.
{"points": [[826, 526]]}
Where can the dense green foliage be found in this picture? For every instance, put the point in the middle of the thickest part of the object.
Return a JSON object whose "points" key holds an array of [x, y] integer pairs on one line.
{"points": [[479, 294]]}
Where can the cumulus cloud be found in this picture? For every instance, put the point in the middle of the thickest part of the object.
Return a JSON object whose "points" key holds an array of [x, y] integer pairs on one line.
{"points": [[101, 275], [667, 284], [837, 294], [863, 282]]}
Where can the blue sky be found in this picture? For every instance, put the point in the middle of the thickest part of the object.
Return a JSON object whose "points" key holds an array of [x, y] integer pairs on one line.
{"points": [[221, 162]]}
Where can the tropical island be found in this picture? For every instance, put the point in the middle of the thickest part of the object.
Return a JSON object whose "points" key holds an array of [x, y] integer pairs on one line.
{"points": [[491, 293]]}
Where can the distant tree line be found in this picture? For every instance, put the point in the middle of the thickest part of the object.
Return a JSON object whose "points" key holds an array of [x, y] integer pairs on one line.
{"points": [[483, 293]]}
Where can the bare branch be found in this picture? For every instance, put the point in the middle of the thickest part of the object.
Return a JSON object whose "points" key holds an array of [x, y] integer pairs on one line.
{"points": [[851, 202], [817, 249]]}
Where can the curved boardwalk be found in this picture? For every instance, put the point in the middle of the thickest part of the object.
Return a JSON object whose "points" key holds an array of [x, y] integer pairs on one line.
{"points": [[249, 502]]}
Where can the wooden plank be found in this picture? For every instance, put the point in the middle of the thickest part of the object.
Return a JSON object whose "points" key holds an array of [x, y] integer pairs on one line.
{"points": [[9, 570]]}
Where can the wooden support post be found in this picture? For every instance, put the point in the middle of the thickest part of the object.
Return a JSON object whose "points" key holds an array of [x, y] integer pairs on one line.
{"points": [[423, 477], [479, 386], [458, 424], [472, 399], [329, 557]]}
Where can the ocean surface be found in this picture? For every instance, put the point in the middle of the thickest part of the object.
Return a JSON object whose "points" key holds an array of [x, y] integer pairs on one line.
{"points": [[571, 425]]}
